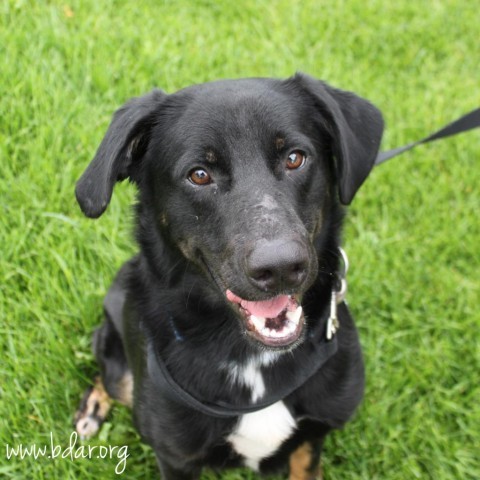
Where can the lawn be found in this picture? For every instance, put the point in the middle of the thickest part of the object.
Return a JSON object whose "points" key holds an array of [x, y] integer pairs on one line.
{"points": [[412, 233]]}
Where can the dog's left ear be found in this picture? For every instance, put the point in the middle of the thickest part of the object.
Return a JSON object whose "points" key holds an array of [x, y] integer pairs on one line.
{"points": [[357, 128], [119, 154]]}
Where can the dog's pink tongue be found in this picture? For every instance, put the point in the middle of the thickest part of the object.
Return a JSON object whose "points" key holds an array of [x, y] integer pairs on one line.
{"points": [[267, 309]]}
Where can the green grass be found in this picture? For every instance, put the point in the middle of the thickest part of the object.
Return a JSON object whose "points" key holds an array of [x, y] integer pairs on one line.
{"points": [[412, 234]]}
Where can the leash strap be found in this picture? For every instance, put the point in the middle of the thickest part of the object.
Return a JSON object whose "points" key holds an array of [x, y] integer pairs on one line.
{"points": [[463, 124]]}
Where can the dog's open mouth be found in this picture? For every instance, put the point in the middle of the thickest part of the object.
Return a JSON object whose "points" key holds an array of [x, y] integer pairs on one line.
{"points": [[277, 322]]}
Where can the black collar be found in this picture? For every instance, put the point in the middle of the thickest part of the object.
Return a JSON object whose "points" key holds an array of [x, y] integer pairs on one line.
{"points": [[321, 350]]}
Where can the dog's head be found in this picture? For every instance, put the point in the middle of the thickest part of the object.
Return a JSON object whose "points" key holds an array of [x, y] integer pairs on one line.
{"points": [[241, 177]]}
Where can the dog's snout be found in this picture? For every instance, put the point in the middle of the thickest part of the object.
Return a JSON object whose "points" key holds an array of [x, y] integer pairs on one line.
{"points": [[278, 265]]}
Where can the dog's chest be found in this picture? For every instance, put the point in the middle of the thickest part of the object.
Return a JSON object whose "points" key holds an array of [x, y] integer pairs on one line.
{"points": [[258, 435]]}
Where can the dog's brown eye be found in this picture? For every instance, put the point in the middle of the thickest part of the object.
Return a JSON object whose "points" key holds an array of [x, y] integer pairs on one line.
{"points": [[198, 176], [296, 160]]}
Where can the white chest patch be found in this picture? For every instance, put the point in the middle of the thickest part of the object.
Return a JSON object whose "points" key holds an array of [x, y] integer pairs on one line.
{"points": [[250, 376], [258, 435]]}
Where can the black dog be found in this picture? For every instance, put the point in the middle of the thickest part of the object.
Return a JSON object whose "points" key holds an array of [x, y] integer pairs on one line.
{"points": [[221, 333]]}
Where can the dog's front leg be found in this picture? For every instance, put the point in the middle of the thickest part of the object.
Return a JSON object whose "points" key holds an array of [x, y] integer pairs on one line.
{"points": [[304, 463]]}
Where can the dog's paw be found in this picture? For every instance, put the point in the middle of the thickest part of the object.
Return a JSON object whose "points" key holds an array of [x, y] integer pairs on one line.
{"points": [[92, 411]]}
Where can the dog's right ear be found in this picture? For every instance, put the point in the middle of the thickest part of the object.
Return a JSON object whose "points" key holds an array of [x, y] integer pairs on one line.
{"points": [[356, 128], [119, 153]]}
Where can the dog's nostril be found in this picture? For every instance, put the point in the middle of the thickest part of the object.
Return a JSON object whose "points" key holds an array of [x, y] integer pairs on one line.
{"points": [[262, 275], [297, 274], [298, 268]]}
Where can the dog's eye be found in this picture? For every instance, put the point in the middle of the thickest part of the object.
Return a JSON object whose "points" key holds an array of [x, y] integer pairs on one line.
{"points": [[198, 176], [296, 160]]}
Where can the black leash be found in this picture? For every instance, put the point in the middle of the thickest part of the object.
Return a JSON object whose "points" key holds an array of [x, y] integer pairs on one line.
{"points": [[463, 124]]}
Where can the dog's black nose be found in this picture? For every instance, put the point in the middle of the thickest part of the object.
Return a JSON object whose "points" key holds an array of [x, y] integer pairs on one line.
{"points": [[279, 264]]}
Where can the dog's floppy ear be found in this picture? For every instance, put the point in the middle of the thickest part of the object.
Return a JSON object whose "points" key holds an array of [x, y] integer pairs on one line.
{"points": [[123, 145], [357, 128]]}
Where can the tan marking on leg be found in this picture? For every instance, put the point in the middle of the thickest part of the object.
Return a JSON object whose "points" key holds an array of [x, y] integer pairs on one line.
{"points": [[301, 464], [93, 410], [125, 389]]}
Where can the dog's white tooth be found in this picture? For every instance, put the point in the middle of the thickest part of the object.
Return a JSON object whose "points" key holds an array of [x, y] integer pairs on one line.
{"points": [[283, 332], [259, 322], [266, 332], [295, 316], [291, 327]]}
